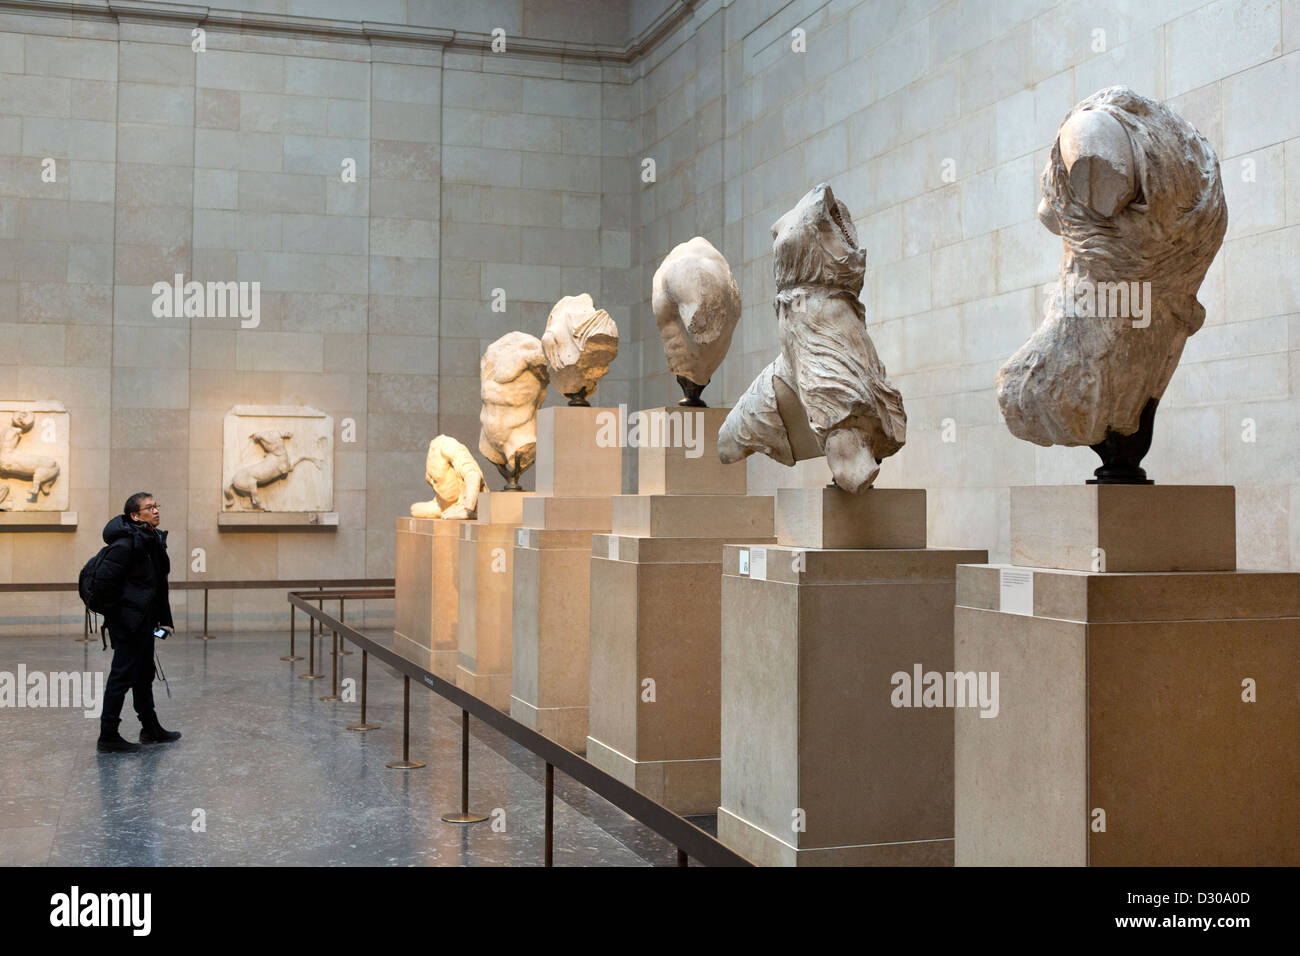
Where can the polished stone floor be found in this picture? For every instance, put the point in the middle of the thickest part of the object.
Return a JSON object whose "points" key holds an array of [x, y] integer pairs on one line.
{"points": [[279, 779]]}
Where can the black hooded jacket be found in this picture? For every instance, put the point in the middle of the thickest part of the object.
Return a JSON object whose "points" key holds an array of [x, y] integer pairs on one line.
{"points": [[136, 566]]}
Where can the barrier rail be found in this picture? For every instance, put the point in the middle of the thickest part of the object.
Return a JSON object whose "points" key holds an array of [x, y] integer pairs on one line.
{"points": [[205, 587], [690, 840]]}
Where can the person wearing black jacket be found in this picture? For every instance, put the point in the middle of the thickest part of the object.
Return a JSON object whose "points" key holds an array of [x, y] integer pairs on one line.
{"points": [[135, 566]]}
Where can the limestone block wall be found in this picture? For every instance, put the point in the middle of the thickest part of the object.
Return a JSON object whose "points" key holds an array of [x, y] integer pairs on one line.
{"points": [[932, 120], [230, 163], [524, 172]]}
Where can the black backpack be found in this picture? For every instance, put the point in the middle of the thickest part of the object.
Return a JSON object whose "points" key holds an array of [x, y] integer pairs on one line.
{"points": [[93, 588]]}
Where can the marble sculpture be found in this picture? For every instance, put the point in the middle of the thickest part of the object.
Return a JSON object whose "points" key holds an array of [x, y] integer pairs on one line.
{"points": [[697, 304], [580, 341], [513, 378], [41, 471], [275, 465], [1134, 192], [456, 479], [827, 391]]}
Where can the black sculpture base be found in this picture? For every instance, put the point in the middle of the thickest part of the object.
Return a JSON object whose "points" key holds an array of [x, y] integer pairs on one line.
{"points": [[692, 392], [1121, 455], [511, 475]]}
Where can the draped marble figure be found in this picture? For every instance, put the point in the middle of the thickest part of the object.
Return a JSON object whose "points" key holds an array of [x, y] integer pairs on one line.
{"points": [[456, 479], [513, 379], [1133, 190], [827, 391], [696, 304], [580, 341]]}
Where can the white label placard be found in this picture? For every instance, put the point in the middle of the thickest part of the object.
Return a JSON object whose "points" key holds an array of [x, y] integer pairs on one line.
{"points": [[1016, 591], [613, 547], [521, 537], [758, 564], [743, 555]]}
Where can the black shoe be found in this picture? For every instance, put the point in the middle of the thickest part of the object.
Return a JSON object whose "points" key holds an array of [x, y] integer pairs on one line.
{"points": [[116, 744], [152, 732]]}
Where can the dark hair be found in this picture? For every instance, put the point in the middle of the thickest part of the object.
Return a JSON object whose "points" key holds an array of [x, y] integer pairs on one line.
{"points": [[133, 503]]}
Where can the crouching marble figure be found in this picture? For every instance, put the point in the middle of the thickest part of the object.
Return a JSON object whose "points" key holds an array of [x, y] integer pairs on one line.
{"points": [[513, 379], [697, 305], [456, 481], [580, 341], [827, 391], [1134, 191]]}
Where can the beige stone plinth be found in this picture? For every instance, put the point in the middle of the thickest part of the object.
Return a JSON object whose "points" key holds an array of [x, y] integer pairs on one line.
{"points": [[810, 641], [486, 599], [551, 612], [38, 521], [677, 453], [1122, 692], [692, 516], [502, 507], [832, 518], [427, 591], [1129, 527], [568, 514], [570, 460], [264, 521], [656, 615]]}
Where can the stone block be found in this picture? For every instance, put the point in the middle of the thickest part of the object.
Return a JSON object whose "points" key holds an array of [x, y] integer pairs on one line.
{"points": [[1124, 527], [1118, 747], [573, 459], [820, 765]]}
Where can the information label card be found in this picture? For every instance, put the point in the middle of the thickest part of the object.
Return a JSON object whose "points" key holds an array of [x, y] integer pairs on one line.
{"points": [[1016, 591]]}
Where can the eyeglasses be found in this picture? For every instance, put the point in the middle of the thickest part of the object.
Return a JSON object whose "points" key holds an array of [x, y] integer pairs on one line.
{"points": [[150, 508]]}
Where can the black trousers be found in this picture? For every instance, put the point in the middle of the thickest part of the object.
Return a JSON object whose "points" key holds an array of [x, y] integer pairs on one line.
{"points": [[132, 670]]}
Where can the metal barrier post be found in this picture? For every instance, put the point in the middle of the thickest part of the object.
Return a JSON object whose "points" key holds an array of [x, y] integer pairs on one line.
{"points": [[550, 814], [681, 857], [293, 624], [365, 661], [334, 672], [205, 636], [85, 629], [342, 648], [311, 654], [464, 816], [406, 763]]}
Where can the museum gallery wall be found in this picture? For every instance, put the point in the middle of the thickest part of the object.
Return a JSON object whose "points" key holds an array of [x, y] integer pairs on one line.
{"points": [[416, 208]]}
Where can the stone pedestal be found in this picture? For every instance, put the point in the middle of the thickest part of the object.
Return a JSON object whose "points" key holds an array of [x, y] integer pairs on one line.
{"points": [[426, 592], [831, 518], [677, 453], [486, 597], [577, 452], [1147, 717], [656, 641], [577, 473], [823, 763], [1124, 527]]}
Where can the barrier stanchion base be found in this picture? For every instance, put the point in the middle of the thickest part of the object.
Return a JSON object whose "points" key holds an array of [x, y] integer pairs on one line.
{"points": [[331, 697], [463, 818], [204, 637], [363, 726], [404, 765], [310, 676], [292, 657]]}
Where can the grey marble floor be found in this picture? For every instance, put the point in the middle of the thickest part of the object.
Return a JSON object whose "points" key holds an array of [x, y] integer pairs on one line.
{"points": [[278, 778]]}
